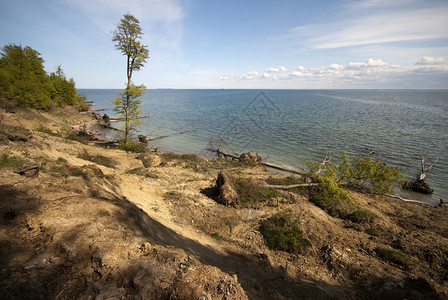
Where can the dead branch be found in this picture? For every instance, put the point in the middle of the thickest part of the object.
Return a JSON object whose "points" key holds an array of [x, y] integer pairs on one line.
{"points": [[327, 160], [407, 200], [287, 187], [422, 175], [163, 136]]}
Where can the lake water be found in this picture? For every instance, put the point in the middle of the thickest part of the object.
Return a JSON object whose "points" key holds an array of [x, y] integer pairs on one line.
{"points": [[290, 127]]}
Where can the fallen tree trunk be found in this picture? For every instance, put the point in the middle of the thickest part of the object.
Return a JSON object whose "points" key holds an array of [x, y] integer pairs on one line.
{"points": [[143, 137], [220, 153], [287, 187], [407, 200]]}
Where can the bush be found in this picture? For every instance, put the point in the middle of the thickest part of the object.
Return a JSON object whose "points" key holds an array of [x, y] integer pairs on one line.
{"points": [[337, 203], [131, 146], [283, 233], [251, 193]]}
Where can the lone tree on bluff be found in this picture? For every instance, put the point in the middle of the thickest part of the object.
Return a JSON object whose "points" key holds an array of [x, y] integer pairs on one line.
{"points": [[127, 38]]}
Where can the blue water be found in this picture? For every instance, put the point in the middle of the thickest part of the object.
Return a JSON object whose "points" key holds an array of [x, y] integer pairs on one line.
{"points": [[290, 127]]}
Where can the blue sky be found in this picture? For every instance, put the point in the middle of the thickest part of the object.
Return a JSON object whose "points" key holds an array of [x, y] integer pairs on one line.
{"points": [[241, 44]]}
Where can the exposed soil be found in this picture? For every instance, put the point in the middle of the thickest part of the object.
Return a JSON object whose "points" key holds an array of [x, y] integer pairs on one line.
{"points": [[130, 226]]}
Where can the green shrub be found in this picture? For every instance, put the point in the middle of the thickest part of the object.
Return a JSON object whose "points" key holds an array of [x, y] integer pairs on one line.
{"points": [[283, 233], [251, 193], [131, 146], [336, 202]]}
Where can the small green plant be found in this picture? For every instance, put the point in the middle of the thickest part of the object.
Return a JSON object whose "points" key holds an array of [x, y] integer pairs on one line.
{"points": [[283, 233], [42, 128], [372, 231], [216, 236], [10, 161], [61, 160], [131, 146], [135, 171], [98, 159], [397, 257]]}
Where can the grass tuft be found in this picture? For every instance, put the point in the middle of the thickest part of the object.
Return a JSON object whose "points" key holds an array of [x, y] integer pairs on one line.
{"points": [[10, 161], [283, 233], [396, 257], [98, 159], [250, 193]]}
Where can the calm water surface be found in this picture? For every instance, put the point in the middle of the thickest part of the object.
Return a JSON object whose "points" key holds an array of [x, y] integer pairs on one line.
{"points": [[290, 127]]}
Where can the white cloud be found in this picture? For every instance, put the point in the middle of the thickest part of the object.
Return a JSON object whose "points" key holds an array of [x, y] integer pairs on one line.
{"points": [[336, 67], [224, 78], [251, 75], [360, 26], [425, 60], [371, 63], [354, 74], [276, 70]]}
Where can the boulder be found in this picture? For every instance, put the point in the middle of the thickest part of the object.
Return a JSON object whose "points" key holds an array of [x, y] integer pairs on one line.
{"points": [[250, 157], [150, 160], [226, 194]]}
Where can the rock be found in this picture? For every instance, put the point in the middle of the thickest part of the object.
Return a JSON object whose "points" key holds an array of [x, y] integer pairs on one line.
{"points": [[250, 157], [226, 193], [106, 119], [150, 160], [142, 138], [419, 186]]}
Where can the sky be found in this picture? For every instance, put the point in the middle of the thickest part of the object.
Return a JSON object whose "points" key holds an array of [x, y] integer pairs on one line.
{"points": [[278, 44]]}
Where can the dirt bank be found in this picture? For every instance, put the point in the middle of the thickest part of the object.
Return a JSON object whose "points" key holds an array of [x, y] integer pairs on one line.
{"points": [[88, 222]]}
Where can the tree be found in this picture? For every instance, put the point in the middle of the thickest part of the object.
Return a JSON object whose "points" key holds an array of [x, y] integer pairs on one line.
{"points": [[127, 38], [22, 77], [64, 90]]}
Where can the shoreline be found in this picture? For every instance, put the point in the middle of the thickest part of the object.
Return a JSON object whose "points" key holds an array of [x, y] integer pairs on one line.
{"points": [[111, 217]]}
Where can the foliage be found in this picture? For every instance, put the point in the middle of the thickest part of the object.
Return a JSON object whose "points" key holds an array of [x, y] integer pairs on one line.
{"points": [[131, 146], [336, 202], [362, 172], [283, 233], [24, 81], [127, 38], [22, 77], [64, 90], [127, 107]]}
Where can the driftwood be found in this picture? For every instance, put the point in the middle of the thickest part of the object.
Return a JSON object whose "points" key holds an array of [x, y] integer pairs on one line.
{"points": [[30, 170], [142, 138], [422, 175], [220, 153], [419, 185], [407, 200]]}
